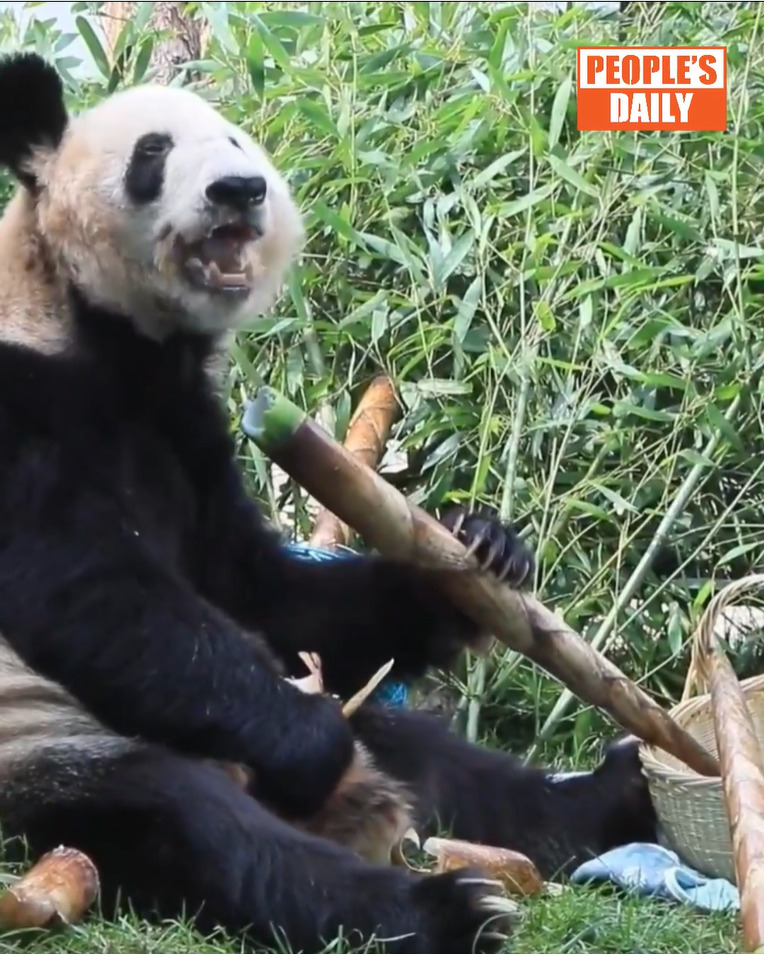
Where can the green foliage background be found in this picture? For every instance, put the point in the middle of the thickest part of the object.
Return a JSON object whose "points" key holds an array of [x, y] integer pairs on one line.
{"points": [[574, 320]]}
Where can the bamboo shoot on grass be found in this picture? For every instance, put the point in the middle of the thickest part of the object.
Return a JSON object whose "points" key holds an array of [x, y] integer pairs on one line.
{"points": [[56, 892], [397, 528], [516, 872]]}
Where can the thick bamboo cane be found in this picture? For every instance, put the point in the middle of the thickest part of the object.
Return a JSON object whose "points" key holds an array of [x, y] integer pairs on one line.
{"points": [[742, 767], [387, 521]]}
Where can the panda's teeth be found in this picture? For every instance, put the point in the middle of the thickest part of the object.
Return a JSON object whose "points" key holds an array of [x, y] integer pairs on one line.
{"points": [[224, 279], [214, 275], [234, 280]]}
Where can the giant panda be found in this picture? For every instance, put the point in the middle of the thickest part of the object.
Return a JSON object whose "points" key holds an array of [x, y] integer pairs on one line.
{"points": [[150, 619]]}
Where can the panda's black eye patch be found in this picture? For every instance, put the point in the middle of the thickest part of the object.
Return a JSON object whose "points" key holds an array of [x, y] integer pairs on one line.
{"points": [[154, 144], [145, 173]]}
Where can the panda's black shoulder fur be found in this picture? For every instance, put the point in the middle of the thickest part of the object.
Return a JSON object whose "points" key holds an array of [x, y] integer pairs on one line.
{"points": [[112, 375], [32, 110]]}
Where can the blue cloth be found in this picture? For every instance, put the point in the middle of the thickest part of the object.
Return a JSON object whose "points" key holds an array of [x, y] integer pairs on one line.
{"points": [[303, 551], [656, 872], [388, 692]]}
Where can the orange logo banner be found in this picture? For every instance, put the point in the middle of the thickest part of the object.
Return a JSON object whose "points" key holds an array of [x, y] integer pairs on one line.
{"points": [[679, 88]]}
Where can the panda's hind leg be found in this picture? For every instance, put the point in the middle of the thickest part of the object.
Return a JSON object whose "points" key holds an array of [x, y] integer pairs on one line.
{"points": [[490, 797], [178, 837]]}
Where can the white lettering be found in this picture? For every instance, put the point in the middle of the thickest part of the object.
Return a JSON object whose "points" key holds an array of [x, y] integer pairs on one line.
{"points": [[650, 108], [619, 107], [683, 101]]}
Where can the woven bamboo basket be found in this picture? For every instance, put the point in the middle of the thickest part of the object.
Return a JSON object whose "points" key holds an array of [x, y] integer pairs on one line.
{"points": [[691, 807]]}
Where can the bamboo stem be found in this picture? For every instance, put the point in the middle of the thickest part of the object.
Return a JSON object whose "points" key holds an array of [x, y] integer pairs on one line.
{"points": [[743, 779], [380, 513], [603, 635], [366, 438], [742, 768]]}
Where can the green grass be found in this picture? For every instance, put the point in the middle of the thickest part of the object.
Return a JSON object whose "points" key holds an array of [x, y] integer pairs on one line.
{"points": [[580, 921], [595, 922]]}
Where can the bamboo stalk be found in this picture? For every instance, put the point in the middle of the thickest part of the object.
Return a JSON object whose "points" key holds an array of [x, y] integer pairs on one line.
{"points": [[742, 768], [604, 635], [383, 516], [366, 438]]}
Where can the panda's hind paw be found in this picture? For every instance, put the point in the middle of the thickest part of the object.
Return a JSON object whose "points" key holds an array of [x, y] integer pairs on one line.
{"points": [[495, 545]]}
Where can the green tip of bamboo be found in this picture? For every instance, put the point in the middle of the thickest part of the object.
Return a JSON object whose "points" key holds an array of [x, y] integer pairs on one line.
{"points": [[270, 419]]}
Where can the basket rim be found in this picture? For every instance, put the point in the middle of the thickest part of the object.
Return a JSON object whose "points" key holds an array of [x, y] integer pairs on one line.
{"points": [[652, 757]]}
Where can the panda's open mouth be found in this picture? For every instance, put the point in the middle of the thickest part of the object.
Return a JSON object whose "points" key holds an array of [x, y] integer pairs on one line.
{"points": [[219, 262]]}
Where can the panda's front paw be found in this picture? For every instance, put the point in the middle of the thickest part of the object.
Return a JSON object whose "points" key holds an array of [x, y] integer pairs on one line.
{"points": [[496, 546], [462, 912]]}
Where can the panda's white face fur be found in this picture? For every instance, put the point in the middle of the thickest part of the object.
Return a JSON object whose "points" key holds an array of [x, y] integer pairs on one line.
{"points": [[136, 207], [156, 206]]}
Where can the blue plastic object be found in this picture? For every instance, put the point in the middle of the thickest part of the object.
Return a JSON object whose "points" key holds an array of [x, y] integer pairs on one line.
{"points": [[655, 872], [389, 692]]}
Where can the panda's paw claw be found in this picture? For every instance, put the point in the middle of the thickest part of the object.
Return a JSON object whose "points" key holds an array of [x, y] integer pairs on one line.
{"points": [[465, 914], [495, 545]]}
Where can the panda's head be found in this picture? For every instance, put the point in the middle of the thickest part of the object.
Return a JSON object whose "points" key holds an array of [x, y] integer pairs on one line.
{"points": [[151, 203]]}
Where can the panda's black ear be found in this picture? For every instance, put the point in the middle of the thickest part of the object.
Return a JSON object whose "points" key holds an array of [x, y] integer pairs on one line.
{"points": [[32, 111]]}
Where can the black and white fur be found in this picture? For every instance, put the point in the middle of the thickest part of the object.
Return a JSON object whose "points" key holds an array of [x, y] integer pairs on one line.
{"points": [[148, 613]]}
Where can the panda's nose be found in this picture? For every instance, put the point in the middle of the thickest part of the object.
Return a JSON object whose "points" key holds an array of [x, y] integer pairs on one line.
{"points": [[237, 192]]}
